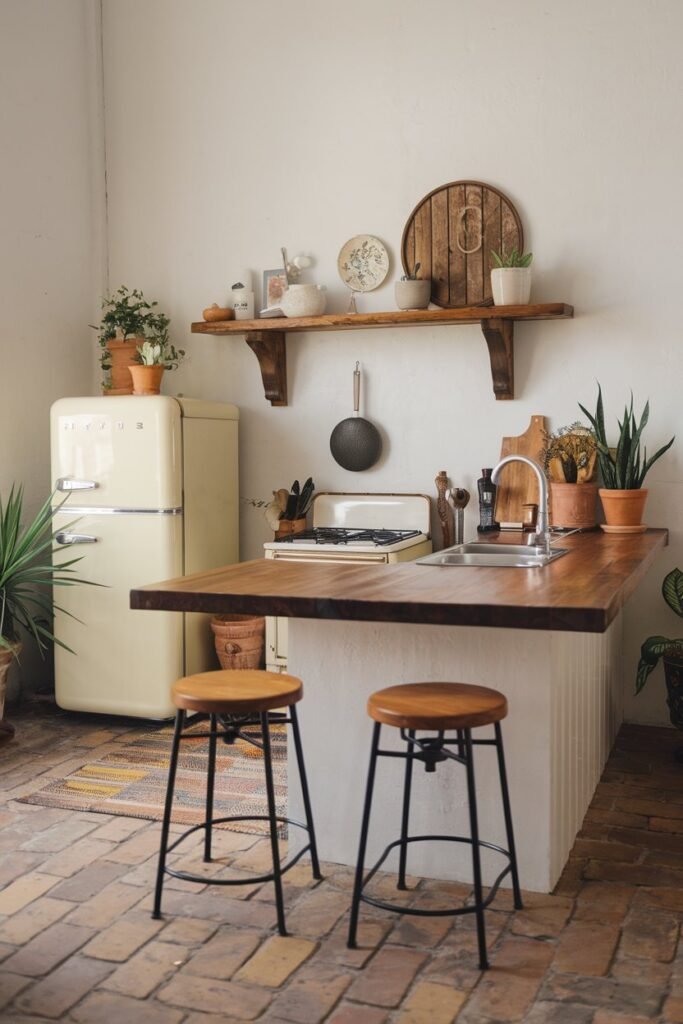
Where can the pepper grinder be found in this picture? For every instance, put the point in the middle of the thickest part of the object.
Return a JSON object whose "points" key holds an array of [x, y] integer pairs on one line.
{"points": [[487, 502]]}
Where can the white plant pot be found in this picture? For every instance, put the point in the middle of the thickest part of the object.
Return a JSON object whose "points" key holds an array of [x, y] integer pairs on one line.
{"points": [[511, 286], [413, 294], [303, 300]]}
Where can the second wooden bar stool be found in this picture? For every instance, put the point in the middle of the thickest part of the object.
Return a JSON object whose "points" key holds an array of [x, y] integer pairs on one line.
{"points": [[434, 708], [233, 701]]}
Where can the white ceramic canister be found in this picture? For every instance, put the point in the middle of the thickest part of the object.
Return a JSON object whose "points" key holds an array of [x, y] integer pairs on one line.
{"points": [[511, 286], [243, 297], [303, 300]]}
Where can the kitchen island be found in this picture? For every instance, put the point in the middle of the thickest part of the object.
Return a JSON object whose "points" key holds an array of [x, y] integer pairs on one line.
{"points": [[549, 638]]}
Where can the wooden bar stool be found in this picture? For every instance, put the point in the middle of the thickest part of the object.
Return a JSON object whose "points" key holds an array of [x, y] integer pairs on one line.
{"points": [[436, 707], [233, 701]]}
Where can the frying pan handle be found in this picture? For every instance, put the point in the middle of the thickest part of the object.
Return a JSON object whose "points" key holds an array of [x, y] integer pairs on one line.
{"points": [[356, 389]]}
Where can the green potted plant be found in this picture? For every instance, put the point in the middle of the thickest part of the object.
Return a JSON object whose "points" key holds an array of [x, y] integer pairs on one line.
{"points": [[27, 571], [128, 320], [511, 278], [152, 358], [569, 458], [670, 651], [623, 469], [412, 292]]}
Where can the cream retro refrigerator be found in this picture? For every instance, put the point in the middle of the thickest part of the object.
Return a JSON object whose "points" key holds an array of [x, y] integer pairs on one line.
{"points": [[152, 494]]}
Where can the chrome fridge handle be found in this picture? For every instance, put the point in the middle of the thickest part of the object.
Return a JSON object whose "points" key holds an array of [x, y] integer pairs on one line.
{"points": [[66, 484], [75, 538]]}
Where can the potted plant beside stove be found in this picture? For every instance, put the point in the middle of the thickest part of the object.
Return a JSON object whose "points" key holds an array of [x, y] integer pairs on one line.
{"points": [[623, 469], [670, 651], [569, 458]]}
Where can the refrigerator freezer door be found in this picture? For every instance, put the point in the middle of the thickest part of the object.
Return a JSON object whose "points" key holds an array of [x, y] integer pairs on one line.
{"points": [[122, 452], [125, 661]]}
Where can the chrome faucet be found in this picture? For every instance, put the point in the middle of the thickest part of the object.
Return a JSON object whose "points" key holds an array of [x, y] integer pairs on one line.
{"points": [[542, 534]]}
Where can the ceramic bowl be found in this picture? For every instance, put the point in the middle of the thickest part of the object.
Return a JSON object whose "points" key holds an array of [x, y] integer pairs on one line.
{"points": [[303, 300]]}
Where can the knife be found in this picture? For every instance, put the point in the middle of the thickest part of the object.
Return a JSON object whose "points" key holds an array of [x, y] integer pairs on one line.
{"points": [[305, 498]]}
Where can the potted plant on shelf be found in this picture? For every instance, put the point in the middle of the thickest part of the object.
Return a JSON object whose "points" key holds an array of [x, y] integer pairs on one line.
{"points": [[623, 469], [670, 651], [569, 458], [27, 571], [412, 292], [127, 321], [153, 357], [511, 278]]}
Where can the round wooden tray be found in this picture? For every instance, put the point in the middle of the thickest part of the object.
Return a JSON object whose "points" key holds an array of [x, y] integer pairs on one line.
{"points": [[451, 233]]}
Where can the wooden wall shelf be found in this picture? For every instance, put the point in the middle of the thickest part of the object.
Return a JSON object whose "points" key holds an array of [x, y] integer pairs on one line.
{"points": [[266, 337]]}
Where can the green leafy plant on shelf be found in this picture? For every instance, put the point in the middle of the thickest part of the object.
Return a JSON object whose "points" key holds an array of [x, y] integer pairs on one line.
{"points": [[625, 467], [513, 259]]}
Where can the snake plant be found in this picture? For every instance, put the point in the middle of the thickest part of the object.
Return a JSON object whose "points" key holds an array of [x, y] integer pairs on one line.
{"points": [[27, 572], [656, 647], [623, 469]]}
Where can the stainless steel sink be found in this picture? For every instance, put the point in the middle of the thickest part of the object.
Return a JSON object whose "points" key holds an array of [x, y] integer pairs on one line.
{"points": [[520, 556]]}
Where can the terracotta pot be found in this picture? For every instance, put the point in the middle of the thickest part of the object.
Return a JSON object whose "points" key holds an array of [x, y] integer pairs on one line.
{"points": [[146, 379], [623, 510], [239, 640], [287, 527], [122, 355], [572, 506], [7, 659], [673, 673]]}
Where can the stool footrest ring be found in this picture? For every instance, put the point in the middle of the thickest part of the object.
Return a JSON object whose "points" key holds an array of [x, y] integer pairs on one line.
{"points": [[402, 909]]}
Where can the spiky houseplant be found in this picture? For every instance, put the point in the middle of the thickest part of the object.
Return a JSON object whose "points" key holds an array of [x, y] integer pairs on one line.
{"points": [[671, 651], [623, 468], [28, 571], [513, 259]]}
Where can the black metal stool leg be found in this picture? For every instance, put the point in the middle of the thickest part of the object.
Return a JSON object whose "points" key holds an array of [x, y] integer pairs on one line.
{"points": [[407, 783], [166, 823], [476, 859], [210, 780], [358, 883], [270, 790], [315, 865], [516, 891]]}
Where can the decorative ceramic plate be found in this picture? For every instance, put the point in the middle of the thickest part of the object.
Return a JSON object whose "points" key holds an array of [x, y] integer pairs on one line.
{"points": [[363, 263]]}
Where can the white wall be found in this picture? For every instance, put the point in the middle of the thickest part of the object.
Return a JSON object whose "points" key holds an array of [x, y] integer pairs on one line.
{"points": [[51, 206], [233, 129]]}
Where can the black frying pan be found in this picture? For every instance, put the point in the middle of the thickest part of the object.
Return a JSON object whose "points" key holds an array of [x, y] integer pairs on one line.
{"points": [[355, 442]]}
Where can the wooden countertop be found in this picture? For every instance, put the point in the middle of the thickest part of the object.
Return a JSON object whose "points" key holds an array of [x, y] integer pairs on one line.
{"points": [[581, 592]]}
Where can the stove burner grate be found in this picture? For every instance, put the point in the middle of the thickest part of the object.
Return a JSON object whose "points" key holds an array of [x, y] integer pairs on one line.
{"points": [[343, 535]]}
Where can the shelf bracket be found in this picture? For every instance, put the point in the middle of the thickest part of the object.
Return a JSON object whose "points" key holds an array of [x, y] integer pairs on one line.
{"points": [[499, 335], [270, 349]]}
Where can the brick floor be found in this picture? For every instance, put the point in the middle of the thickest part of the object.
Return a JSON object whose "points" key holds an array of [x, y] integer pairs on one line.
{"points": [[77, 942]]}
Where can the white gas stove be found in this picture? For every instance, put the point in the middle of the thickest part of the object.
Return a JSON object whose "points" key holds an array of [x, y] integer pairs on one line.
{"points": [[377, 528]]}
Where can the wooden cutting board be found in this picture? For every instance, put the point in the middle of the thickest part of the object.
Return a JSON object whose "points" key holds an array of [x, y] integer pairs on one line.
{"points": [[517, 484], [451, 233]]}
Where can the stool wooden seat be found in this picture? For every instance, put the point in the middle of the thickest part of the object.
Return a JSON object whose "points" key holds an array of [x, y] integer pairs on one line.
{"points": [[437, 706], [233, 692], [236, 701], [423, 712]]}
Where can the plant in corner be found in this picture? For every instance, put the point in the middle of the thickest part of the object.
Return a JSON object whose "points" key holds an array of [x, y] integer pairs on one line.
{"points": [[569, 458], [511, 277], [152, 358], [27, 571], [128, 320], [623, 469], [670, 651]]}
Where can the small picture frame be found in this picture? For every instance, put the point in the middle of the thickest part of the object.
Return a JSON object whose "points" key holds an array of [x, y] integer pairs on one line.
{"points": [[274, 285]]}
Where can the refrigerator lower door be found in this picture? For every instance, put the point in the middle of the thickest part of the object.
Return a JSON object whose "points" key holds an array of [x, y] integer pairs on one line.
{"points": [[125, 661]]}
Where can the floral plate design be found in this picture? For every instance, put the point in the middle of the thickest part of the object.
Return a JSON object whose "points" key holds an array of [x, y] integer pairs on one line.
{"points": [[363, 263]]}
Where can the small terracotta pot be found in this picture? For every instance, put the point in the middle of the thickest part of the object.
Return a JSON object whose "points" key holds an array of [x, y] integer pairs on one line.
{"points": [[122, 355], [623, 510], [146, 379], [572, 506], [287, 527], [239, 640]]}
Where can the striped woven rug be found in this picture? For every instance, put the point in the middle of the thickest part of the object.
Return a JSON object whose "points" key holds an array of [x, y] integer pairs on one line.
{"points": [[131, 781]]}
